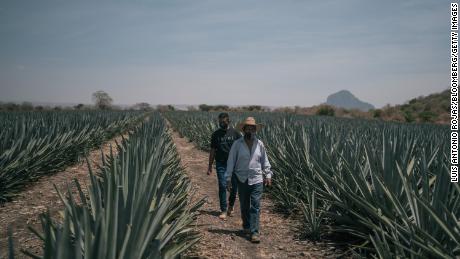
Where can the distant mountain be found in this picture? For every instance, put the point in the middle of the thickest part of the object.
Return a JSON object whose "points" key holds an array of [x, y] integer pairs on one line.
{"points": [[345, 99]]}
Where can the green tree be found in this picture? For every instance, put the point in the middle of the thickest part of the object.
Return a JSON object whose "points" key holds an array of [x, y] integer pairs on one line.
{"points": [[408, 116], [143, 106], [12, 106], [377, 113], [79, 106], [204, 107], [27, 106], [427, 116], [326, 110]]}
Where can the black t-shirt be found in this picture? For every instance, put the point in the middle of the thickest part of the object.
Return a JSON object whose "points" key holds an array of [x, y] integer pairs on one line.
{"points": [[222, 141]]}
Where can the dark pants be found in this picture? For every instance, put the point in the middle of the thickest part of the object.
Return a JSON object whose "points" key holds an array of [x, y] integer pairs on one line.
{"points": [[221, 167], [249, 196]]}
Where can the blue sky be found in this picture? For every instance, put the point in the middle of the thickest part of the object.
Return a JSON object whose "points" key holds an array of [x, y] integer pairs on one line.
{"points": [[223, 52]]}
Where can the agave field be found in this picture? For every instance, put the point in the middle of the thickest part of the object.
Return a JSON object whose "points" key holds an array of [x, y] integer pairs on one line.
{"points": [[37, 143], [383, 187], [137, 206]]}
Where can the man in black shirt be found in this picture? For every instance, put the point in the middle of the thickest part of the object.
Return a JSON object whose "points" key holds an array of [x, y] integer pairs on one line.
{"points": [[221, 142]]}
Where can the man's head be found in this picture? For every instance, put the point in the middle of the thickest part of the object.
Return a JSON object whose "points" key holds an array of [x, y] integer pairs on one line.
{"points": [[224, 120], [249, 127], [249, 131]]}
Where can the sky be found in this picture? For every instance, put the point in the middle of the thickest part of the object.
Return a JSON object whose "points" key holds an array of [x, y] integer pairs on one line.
{"points": [[236, 52]]}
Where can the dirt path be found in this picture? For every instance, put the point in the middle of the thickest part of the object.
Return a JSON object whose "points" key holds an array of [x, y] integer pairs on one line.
{"points": [[223, 239], [37, 197]]}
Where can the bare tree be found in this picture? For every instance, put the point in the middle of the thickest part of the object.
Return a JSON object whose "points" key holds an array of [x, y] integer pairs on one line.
{"points": [[102, 100]]}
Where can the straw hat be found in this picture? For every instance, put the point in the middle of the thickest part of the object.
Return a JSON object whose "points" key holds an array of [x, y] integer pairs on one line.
{"points": [[249, 121]]}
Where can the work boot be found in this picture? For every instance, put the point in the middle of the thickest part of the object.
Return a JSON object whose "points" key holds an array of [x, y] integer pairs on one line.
{"points": [[223, 215], [255, 238], [230, 211], [246, 231]]}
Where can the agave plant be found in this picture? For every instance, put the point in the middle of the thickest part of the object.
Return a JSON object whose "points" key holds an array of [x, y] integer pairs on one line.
{"points": [[37, 143], [384, 184], [137, 206]]}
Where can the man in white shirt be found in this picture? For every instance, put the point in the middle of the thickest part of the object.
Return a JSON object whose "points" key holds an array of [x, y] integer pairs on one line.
{"points": [[249, 162]]}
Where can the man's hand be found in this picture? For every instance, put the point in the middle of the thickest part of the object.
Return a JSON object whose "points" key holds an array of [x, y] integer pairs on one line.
{"points": [[209, 171], [268, 181], [229, 185]]}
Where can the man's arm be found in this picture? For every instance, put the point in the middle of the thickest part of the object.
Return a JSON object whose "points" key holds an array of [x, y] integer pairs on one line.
{"points": [[231, 161], [265, 164], [212, 155]]}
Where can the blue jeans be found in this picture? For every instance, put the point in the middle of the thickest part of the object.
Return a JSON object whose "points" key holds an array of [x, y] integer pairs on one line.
{"points": [[221, 167], [249, 196]]}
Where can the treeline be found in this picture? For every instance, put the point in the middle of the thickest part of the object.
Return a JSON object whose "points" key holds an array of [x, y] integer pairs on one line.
{"points": [[101, 99], [434, 108], [212, 108], [27, 106]]}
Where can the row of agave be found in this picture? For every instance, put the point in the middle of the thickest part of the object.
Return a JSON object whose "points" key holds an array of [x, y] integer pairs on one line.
{"points": [[37, 143], [383, 187], [137, 206]]}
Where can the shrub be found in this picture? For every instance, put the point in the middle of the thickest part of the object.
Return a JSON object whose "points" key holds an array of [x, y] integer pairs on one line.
{"points": [[326, 110]]}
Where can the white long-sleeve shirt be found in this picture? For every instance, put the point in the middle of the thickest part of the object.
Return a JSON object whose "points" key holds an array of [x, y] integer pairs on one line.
{"points": [[251, 165]]}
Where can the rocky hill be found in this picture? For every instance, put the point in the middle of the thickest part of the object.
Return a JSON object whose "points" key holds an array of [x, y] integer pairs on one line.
{"points": [[345, 99]]}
